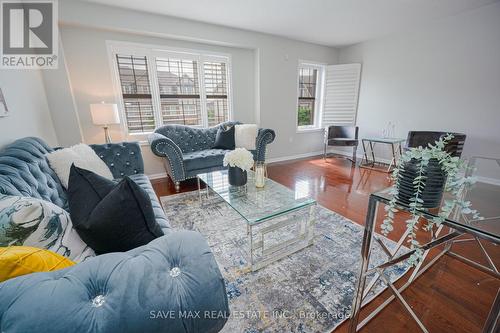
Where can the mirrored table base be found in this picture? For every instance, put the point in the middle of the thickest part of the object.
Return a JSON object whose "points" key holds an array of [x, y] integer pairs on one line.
{"points": [[278, 236]]}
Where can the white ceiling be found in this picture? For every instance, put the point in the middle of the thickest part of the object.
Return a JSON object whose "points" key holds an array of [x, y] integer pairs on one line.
{"points": [[327, 22]]}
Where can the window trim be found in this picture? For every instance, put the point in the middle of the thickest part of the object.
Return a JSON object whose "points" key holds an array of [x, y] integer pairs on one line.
{"points": [[151, 52], [318, 101]]}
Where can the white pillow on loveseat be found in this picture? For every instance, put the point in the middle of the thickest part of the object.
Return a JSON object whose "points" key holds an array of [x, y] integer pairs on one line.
{"points": [[245, 136], [82, 156]]}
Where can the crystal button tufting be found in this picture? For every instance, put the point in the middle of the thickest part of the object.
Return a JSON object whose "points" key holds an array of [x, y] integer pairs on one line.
{"points": [[174, 272], [98, 301]]}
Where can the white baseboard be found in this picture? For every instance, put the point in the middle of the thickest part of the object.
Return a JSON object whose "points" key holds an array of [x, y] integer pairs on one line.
{"points": [[294, 157], [359, 156], [158, 176], [487, 180], [270, 160]]}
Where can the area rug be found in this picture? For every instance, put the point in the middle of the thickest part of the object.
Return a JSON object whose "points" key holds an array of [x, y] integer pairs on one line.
{"points": [[308, 291]]}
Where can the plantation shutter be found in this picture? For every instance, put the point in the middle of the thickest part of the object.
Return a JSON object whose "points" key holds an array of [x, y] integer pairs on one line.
{"points": [[341, 94], [216, 89], [178, 81], [136, 92]]}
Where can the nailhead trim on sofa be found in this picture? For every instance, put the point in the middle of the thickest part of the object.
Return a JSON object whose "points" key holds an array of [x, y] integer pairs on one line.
{"points": [[172, 141]]}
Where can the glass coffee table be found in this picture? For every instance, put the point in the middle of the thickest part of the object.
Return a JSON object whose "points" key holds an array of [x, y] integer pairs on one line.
{"points": [[278, 221]]}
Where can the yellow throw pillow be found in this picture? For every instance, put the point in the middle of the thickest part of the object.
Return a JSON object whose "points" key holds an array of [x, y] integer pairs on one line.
{"points": [[21, 260]]}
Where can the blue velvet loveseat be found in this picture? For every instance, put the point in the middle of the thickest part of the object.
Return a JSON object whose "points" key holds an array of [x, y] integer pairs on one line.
{"points": [[158, 287], [188, 150]]}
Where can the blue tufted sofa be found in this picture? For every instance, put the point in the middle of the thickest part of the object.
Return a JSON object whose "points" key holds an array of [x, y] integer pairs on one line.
{"points": [[152, 288], [188, 150]]}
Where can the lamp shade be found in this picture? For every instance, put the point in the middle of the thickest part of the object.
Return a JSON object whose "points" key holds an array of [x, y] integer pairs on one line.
{"points": [[104, 114]]}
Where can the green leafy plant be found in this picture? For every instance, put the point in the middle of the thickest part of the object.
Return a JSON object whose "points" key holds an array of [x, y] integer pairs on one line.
{"points": [[457, 182], [305, 116]]}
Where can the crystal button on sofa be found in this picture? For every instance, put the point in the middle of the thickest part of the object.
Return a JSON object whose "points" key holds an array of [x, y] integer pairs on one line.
{"points": [[114, 292]]}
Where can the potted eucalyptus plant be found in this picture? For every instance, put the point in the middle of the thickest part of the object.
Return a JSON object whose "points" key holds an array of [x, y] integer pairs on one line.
{"points": [[421, 177]]}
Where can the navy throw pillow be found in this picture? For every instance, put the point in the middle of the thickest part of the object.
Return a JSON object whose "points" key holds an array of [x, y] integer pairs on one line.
{"points": [[110, 216], [225, 138]]}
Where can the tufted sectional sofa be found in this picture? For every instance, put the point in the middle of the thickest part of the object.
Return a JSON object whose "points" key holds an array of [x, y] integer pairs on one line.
{"points": [[153, 288], [188, 150]]}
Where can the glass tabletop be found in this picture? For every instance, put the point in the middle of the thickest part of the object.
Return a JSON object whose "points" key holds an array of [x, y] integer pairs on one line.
{"points": [[484, 197], [254, 204], [385, 140]]}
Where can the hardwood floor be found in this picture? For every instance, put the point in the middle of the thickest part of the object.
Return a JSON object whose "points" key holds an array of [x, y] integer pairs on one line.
{"points": [[449, 297]]}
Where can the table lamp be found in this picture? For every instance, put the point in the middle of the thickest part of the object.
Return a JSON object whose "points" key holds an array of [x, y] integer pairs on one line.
{"points": [[105, 114]]}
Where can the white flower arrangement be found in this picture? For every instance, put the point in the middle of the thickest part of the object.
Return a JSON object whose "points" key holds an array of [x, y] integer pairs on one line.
{"points": [[240, 158]]}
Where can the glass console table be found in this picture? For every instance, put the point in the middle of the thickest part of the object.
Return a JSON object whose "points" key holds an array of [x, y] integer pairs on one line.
{"points": [[484, 197], [278, 222], [369, 161]]}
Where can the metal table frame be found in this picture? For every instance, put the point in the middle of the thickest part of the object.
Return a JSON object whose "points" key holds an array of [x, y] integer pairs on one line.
{"points": [[493, 322], [304, 236], [396, 150]]}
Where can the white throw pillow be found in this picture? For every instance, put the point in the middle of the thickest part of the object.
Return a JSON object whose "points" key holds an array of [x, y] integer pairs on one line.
{"points": [[245, 136], [38, 223], [82, 156]]}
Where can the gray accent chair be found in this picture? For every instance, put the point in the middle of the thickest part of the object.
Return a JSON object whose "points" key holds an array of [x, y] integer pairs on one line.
{"points": [[123, 292], [342, 136], [188, 150]]}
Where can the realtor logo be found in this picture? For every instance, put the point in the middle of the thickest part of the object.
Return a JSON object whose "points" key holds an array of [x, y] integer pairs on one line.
{"points": [[29, 34]]}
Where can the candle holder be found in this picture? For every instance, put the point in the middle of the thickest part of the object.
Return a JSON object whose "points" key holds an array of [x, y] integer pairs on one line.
{"points": [[260, 174]]}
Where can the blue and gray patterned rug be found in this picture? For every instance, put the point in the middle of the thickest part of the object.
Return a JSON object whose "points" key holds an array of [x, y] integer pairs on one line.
{"points": [[309, 291]]}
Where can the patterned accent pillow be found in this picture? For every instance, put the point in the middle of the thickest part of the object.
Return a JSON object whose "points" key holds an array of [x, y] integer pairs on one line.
{"points": [[38, 223]]}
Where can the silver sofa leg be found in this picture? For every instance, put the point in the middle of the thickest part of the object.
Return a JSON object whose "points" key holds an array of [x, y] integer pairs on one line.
{"points": [[177, 186]]}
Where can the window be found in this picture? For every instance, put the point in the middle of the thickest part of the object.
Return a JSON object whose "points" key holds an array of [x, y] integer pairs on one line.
{"points": [[215, 74], [137, 100], [178, 81], [309, 96], [160, 87]]}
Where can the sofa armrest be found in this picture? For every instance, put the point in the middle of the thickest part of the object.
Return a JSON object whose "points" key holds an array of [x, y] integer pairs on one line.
{"points": [[123, 158], [148, 289], [265, 137], [165, 147]]}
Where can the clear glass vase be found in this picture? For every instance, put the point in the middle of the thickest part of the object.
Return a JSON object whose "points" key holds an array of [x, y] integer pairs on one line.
{"points": [[260, 174]]}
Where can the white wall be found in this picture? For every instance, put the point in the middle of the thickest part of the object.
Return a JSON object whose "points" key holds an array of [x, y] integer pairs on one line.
{"points": [[443, 77], [61, 103], [269, 97], [29, 113], [93, 83]]}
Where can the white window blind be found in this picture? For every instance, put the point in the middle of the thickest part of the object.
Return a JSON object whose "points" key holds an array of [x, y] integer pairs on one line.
{"points": [[341, 94]]}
